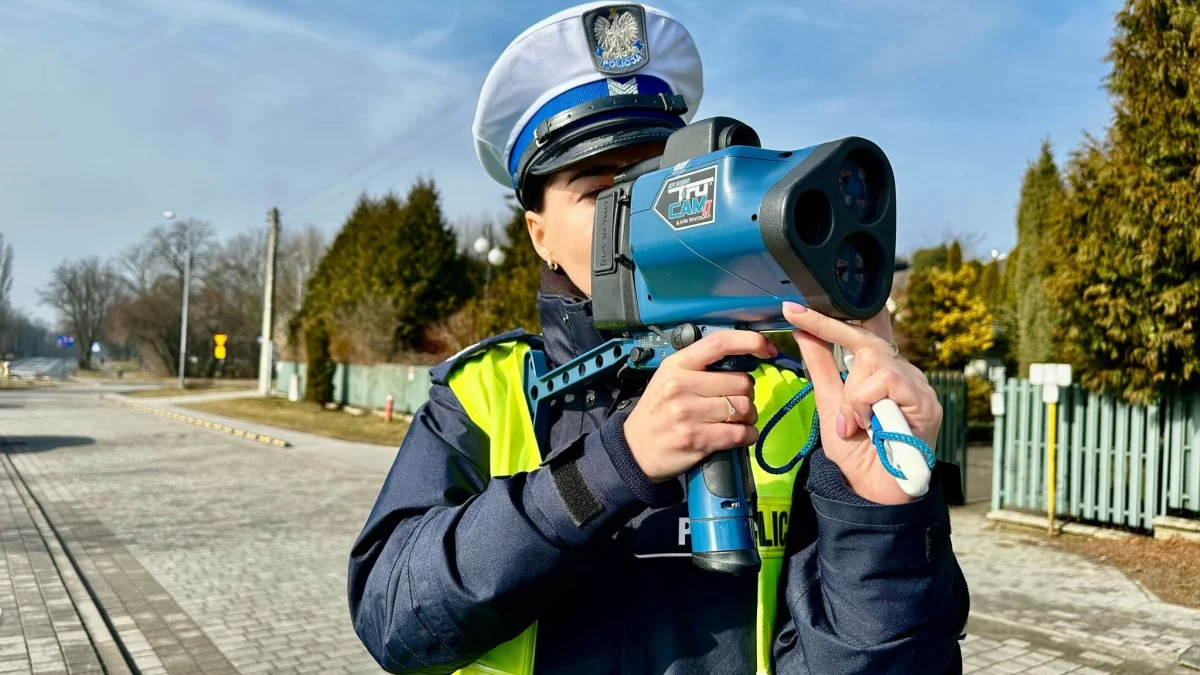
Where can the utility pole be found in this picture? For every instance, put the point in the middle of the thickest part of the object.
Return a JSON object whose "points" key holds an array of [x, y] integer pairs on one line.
{"points": [[266, 347]]}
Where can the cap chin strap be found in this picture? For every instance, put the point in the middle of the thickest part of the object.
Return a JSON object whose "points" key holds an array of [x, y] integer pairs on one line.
{"points": [[566, 125]]}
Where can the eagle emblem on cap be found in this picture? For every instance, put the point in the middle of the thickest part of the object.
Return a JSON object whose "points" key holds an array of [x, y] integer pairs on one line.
{"points": [[617, 37]]}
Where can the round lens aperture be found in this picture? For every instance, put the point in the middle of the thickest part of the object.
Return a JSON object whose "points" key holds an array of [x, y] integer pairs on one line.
{"points": [[852, 180], [861, 185], [850, 270]]}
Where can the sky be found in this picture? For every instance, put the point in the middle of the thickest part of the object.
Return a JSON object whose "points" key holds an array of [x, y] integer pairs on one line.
{"points": [[113, 111]]}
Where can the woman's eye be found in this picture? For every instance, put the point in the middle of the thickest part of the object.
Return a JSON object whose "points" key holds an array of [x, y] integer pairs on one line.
{"points": [[592, 194]]}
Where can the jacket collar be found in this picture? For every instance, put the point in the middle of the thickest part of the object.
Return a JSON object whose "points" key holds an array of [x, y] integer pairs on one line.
{"points": [[568, 329]]}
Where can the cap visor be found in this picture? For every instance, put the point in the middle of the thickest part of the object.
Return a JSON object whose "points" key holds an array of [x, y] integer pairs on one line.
{"points": [[557, 158]]}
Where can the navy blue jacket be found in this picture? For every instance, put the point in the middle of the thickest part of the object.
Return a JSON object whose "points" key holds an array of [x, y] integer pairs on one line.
{"points": [[450, 563]]}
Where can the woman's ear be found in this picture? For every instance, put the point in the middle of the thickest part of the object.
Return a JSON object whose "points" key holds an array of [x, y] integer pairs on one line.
{"points": [[535, 223]]}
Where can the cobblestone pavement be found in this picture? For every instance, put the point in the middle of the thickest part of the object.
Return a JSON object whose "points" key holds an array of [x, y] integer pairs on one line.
{"points": [[42, 629], [1018, 580], [213, 554]]}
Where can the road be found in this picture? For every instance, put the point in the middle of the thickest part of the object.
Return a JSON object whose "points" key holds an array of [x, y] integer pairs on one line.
{"points": [[134, 538], [39, 367]]}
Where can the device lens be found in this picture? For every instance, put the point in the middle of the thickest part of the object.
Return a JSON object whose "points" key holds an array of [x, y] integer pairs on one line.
{"points": [[857, 193], [850, 270], [813, 218]]}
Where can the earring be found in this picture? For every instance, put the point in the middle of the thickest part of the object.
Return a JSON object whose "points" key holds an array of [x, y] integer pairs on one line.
{"points": [[553, 266]]}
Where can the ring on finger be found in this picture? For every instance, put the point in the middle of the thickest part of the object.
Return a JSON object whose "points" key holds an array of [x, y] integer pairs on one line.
{"points": [[732, 410]]}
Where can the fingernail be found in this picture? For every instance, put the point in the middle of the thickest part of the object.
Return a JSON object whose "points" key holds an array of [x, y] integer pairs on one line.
{"points": [[841, 425], [861, 424], [772, 349], [794, 307]]}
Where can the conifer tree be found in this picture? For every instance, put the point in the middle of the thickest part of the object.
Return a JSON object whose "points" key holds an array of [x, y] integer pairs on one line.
{"points": [[989, 284], [427, 274], [1041, 189], [515, 285], [1128, 281], [394, 268], [954, 259]]}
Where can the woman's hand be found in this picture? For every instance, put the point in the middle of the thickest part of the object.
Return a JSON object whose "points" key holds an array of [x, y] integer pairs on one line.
{"points": [[683, 414], [845, 409]]}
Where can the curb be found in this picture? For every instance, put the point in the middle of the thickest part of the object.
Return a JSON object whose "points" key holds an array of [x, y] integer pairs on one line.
{"points": [[1039, 522], [102, 635], [241, 433], [1168, 527]]}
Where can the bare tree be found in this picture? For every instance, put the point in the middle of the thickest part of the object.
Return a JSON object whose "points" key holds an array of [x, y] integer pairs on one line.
{"points": [[83, 293], [227, 288], [139, 267], [151, 277], [6, 257], [299, 253], [151, 321], [170, 245], [27, 338]]}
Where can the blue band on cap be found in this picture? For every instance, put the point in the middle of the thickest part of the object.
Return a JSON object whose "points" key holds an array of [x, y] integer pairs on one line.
{"points": [[570, 98]]}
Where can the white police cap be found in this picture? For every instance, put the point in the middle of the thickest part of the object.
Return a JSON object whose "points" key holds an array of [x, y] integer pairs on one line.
{"points": [[588, 79]]}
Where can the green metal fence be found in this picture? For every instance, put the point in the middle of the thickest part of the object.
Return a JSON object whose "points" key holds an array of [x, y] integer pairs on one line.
{"points": [[951, 389], [1116, 464], [368, 386]]}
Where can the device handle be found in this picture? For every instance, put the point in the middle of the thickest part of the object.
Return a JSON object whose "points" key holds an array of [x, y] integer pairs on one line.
{"points": [[908, 459]]}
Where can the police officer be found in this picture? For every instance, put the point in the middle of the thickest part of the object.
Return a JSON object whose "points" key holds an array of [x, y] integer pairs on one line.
{"points": [[491, 551]]}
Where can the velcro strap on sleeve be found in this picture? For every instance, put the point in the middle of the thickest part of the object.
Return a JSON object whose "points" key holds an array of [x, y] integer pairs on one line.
{"points": [[581, 501]]}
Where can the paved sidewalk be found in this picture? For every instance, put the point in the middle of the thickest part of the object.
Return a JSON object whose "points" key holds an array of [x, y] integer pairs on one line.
{"points": [[211, 554], [365, 455], [214, 554], [1019, 582]]}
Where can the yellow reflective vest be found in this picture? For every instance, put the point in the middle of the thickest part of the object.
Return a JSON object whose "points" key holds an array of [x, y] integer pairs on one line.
{"points": [[489, 387]]}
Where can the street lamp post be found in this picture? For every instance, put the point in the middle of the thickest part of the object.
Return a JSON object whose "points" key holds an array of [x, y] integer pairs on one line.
{"points": [[495, 258], [187, 279]]}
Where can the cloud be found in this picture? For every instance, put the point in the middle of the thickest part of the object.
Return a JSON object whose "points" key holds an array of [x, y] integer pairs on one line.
{"points": [[258, 21], [240, 16], [223, 108], [71, 8], [432, 37]]}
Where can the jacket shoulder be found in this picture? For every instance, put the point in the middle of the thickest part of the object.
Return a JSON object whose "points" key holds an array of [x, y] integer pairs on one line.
{"points": [[440, 374]]}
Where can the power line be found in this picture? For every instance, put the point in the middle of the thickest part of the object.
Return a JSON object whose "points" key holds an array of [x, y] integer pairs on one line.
{"points": [[377, 154], [432, 140]]}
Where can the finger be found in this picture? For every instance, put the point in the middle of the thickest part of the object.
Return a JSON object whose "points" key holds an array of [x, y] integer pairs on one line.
{"points": [[885, 383], [857, 414], [823, 373], [717, 410], [831, 330], [712, 384], [881, 324], [719, 344], [716, 437]]}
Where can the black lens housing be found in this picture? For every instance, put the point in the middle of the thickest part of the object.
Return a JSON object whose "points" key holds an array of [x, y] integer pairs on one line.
{"points": [[804, 223]]}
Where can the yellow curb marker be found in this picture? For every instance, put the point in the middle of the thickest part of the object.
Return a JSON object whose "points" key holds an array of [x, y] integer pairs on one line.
{"points": [[242, 433]]}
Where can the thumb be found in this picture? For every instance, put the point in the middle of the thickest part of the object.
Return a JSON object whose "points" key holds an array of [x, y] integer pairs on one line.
{"points": [[823, 373]]}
